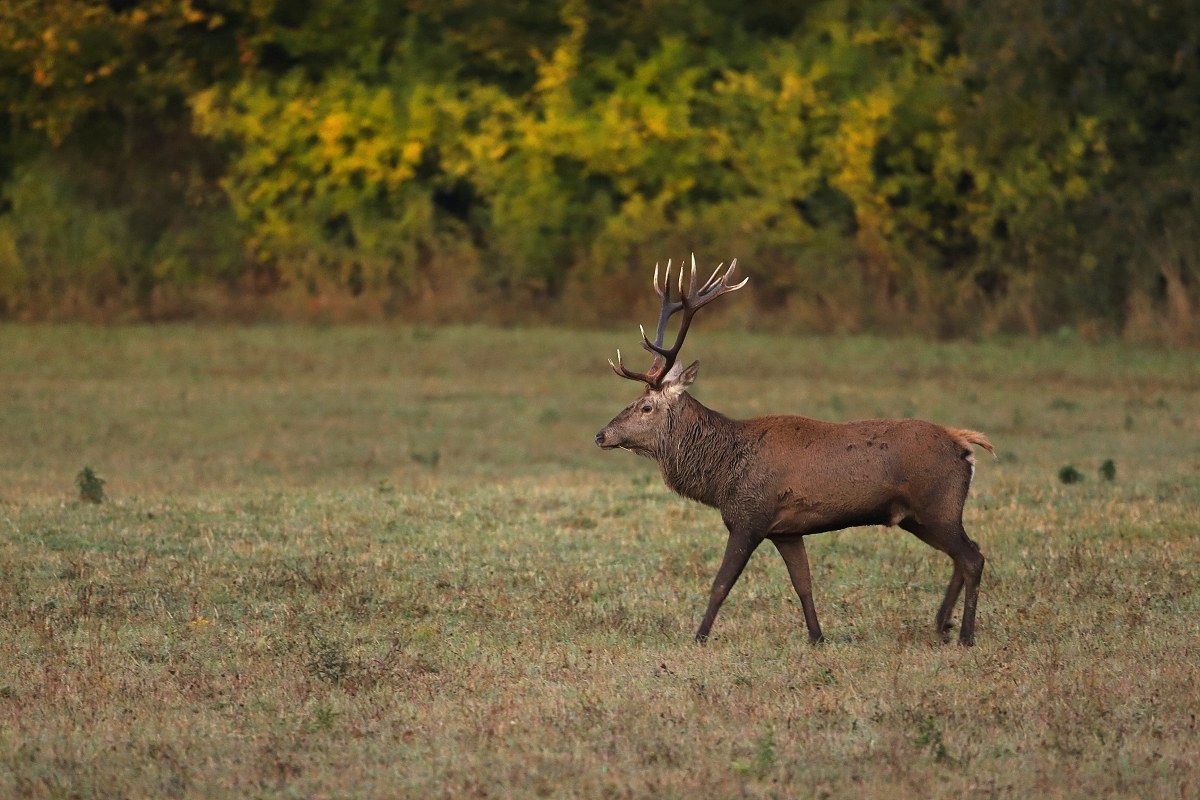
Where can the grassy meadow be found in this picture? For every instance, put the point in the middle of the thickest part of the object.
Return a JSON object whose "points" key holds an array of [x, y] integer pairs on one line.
{"points": [[390, 562]]}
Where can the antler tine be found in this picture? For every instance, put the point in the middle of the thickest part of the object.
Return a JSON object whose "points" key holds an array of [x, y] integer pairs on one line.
{"points": [[693, 300], [668, 309], [646, 343], [693, 289], [712, 278], [690, 301], [620, 369], [714, 287], [710, 283], [728, 274], [726, 287]]}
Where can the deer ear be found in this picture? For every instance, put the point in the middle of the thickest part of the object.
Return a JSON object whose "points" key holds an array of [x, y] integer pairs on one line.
{"points": [[678, 380]]}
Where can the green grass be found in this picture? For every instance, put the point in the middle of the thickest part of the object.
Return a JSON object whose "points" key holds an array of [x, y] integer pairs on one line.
{"points": [[380, 562]]}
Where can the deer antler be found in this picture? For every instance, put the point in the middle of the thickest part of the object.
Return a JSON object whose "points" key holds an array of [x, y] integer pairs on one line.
{"points": [[696, 297]]}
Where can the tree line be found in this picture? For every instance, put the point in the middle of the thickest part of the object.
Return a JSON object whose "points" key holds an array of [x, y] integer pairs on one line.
{"points": [[928, 165]]}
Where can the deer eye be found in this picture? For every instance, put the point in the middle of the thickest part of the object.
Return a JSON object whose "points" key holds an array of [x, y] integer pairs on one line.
{"points": [[646, 409]]}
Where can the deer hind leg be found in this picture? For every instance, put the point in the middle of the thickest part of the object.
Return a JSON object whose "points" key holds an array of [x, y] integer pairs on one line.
{"points": [[796, 558], [952, 540], [967, 554], [737, 553], [943, 623]]}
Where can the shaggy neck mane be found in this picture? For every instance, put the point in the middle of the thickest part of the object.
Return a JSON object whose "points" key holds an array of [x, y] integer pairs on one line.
{"points": [[700, 452]]}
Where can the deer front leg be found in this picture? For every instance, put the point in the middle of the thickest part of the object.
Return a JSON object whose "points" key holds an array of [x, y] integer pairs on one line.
{"points": [[737, 552], [796, 558]]}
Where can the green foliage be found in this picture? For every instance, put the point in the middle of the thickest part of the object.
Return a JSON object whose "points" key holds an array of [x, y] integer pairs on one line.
{"points": [[53, 245], [325, 180], [73, 69], [65, 246], [875, 164]]}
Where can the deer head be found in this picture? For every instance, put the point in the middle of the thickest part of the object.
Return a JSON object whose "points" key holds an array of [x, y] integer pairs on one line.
{"points": [[642, 423]]}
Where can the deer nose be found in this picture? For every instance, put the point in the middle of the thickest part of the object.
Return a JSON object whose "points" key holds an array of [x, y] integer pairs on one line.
{"points": [[600, 438]]}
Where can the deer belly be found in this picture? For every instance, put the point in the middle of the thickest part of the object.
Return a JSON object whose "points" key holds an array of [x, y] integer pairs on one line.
{"points": [[798, 513]]}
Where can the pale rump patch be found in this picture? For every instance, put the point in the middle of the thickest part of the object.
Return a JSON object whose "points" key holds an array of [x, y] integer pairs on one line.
{"points": [[968, 438]]}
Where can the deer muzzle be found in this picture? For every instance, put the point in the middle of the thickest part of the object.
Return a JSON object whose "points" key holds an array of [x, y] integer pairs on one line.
{"points": [[602, 439]]}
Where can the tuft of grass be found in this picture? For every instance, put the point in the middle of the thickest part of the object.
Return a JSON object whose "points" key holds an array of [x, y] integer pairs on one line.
{"points": [[90, 486], [762, 760], [327, 659], [1108, 470], [1070, 474], [929, 738]]}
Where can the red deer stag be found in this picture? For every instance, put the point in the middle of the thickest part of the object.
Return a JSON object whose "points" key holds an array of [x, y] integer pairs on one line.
{"points": [[785, 477]]}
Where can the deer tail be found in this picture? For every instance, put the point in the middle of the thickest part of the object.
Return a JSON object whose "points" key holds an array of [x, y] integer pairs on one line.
{"points": [[968, 438]]}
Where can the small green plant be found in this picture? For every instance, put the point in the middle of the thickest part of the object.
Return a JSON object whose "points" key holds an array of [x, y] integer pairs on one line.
{"points": [[764, 752], [328, 660], [825, 677], [929, 735], [323, 719], [764, 757], [1069, 474], [91, 486], [1108, 470]]}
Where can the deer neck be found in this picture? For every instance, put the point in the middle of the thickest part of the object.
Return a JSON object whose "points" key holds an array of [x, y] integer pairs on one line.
{"points": [[701, 452]]}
